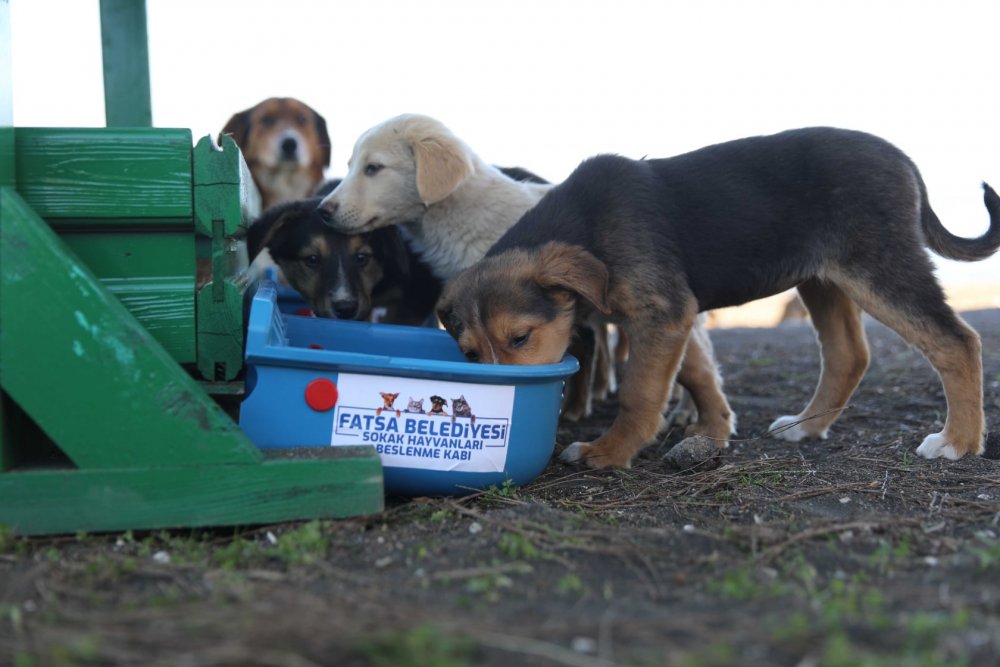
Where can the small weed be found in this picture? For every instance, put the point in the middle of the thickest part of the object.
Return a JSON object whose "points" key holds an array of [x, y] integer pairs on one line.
{"points": [[442, 514], [422, 646], [714, 655], [304, 545], [988, 555], [518, 547], [505, 491], [850, 601], [569, 584], [8, 541], [489, 586], [742, 584], [888, 554]]}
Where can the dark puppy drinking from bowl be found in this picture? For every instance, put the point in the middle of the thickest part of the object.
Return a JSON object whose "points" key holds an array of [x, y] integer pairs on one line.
{"points": [[842, 216]]}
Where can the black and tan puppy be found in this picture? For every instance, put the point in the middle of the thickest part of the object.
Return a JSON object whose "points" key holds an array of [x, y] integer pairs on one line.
{"points": [[343, 276], [843, 216]]}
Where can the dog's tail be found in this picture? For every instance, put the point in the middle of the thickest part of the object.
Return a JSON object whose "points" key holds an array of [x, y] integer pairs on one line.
{"points": [[949, 246]]}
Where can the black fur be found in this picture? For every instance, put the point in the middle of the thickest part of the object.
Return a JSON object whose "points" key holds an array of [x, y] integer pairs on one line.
{"points": [[407, 288], [776, 209]]}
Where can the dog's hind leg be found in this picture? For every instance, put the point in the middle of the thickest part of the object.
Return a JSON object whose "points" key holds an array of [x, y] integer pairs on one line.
{"points": [[844, 353], [604, 381], [577, 400], [920, 314], [699, 375]]}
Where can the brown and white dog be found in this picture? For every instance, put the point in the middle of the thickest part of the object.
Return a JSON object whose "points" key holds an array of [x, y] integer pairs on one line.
{"points": [[452, 206], [648, 244], [286, 146]]}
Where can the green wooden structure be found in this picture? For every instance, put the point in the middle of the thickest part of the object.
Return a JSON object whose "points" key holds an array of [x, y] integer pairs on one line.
{"points": [[110, 345]]}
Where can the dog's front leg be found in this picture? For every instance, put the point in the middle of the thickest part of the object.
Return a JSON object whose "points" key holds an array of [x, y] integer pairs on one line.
{"points": [[657, 347]]}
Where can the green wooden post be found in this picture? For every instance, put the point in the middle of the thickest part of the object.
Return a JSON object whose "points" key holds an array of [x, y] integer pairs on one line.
{"points": [[126, 63], [6, 182], [224, 197]]}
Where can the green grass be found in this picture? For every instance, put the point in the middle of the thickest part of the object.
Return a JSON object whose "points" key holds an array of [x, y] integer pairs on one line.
{"points": [[421, 646]]}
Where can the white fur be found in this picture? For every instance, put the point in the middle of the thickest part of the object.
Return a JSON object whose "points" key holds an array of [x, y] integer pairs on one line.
{"points": [[574, 452], [793, 433], [450, 233], [935, 446]]}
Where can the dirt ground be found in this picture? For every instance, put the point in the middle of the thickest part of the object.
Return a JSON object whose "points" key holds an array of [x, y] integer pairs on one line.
{"points": [[852, 551]]}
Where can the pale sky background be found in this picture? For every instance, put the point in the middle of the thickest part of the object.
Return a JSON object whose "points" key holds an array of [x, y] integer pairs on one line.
{"points": [[544, 84]]}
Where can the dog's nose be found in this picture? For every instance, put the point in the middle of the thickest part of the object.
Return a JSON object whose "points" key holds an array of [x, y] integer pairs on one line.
{"points": [[288, 148], [328, 208], [347, 309]]}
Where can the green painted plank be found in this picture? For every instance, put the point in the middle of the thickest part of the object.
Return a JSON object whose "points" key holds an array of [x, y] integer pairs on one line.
{"points": [[152, 274], [106, 174], [225, 200], [87, 372], [332, 482], [223, 187], [126, 63]]}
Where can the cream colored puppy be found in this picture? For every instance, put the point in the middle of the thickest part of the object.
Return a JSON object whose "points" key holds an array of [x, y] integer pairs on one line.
{"points": [[413, 172]]}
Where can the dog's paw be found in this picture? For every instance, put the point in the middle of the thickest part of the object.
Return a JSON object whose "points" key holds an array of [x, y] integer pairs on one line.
{"points": [[574, 413], [575, 452], [788, 428], [936, 446]]}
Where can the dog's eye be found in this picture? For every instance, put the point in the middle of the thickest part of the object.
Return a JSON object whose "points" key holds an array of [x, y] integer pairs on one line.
{"points": [[518, 341], [300, 120], [361, 258], [472, 356], [267, 121], [312, 261], [371, 169]]}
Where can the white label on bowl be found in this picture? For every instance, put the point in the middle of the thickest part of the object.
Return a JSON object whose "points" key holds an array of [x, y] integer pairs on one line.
{"points": [[427, 424]]}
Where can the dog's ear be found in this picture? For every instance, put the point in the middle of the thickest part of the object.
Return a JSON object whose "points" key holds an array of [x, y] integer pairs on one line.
{"points": [[239, 128], [263, 230], [572, 268], [443, 162], [445, 310], [324, 138]]}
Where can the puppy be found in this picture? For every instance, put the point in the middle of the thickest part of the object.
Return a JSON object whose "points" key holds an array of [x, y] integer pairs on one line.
{"points": [[286, 146], [450, 204], [647, 244], [452, 207], [344, 276]]}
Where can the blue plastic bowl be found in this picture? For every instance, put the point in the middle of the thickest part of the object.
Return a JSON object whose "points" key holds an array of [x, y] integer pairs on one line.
{"points": [[320, 382]]}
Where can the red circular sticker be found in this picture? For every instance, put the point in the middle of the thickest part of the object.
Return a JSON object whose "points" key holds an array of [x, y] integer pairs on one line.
{"points": [[321, 395]]}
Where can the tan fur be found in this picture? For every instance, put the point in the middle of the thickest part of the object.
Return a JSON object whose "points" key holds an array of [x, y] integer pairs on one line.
{"points": [[259, 132]]}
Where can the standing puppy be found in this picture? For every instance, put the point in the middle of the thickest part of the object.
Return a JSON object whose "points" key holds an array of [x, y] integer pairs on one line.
{"points": [[412, 171], [286, 146], [647, 244]]}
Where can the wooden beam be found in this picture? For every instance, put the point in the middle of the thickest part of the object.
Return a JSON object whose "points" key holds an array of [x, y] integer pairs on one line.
{"points": [[126, 63], [88, 372]]}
